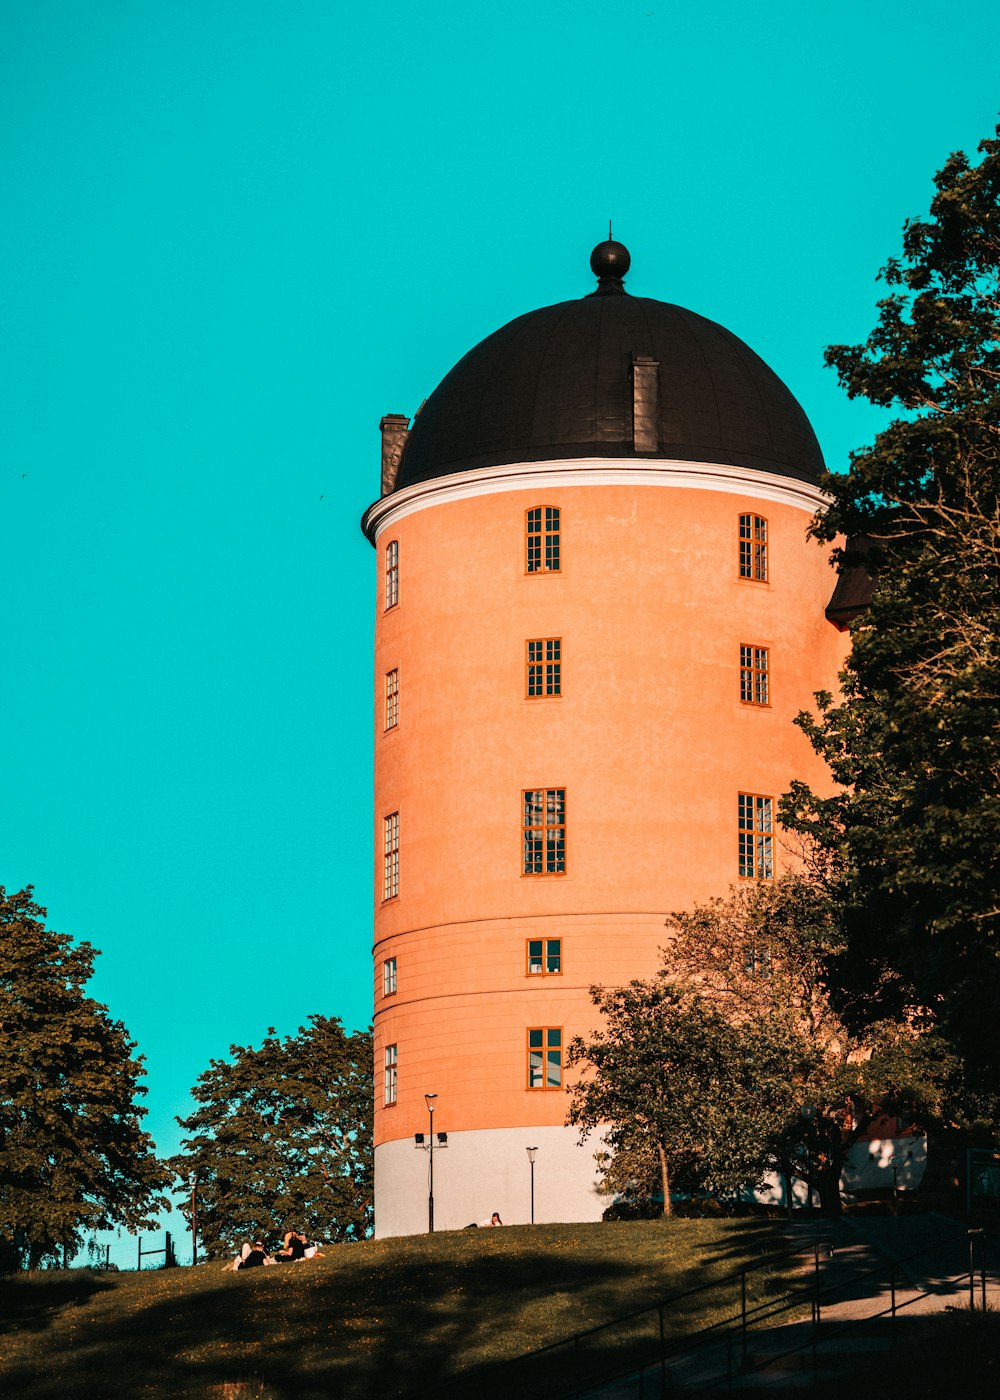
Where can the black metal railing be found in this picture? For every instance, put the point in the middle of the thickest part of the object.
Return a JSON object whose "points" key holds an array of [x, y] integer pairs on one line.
{"points": [[620, 1346], [657, 1377], [637, 1346]]}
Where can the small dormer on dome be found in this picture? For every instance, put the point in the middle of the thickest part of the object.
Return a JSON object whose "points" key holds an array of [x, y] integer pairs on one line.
{"points": [[610, 376]]}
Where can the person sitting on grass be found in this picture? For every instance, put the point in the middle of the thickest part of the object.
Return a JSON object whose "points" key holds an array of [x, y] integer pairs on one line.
{"points": [[294, 1248]]}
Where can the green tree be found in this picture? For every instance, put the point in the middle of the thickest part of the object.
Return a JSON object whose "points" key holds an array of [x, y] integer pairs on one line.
{"points": [[74, 1157], [761, 955], [912, 838], [282, 1138], [669, 1079]]}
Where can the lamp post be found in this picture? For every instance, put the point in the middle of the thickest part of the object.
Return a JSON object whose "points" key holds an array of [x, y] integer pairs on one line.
{"points": [[532, 1151], [428, 1146], [431, 1102], [193, 1183]]}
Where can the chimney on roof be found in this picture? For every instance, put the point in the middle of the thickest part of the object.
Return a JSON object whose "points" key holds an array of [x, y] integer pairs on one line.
{"points": [[645, 403], [395, 429]]}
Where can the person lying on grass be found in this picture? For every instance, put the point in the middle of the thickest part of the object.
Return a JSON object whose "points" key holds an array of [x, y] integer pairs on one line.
{"points": [[255, 1255], [251, 1256]]}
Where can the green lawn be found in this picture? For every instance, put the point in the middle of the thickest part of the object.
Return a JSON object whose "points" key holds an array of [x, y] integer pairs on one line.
{"points": [[411, 1317]]}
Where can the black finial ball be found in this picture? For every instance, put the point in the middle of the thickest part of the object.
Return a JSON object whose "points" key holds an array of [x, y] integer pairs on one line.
{"points": [[610, 259]]}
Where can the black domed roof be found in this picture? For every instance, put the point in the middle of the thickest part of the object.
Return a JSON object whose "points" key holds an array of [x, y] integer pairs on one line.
{"points": [[557, 383]]}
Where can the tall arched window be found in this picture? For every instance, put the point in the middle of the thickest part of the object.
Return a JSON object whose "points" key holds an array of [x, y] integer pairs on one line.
{"points": [[390, 856], [391, 574], [753, 548], [541, 544], [756, 836], [543, 821], [391, 1072]]}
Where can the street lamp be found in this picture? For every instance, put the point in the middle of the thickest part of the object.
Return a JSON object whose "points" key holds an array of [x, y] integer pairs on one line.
{"points": [[428, 1146], [431, 1102], [532, 1152], [193, 1183]]}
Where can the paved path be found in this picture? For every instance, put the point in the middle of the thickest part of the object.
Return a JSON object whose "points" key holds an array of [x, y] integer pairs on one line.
{"points": [[920, 1262]]}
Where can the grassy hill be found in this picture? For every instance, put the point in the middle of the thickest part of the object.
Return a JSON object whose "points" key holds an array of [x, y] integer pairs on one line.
{"points": [[391, 1318]]}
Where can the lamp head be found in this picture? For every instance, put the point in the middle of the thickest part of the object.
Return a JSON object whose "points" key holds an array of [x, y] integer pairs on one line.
{"points": [[531, 1151], [431, 1102]]}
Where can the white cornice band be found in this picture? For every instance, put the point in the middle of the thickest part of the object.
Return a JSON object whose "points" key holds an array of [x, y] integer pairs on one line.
{"points": [[590, 471]]}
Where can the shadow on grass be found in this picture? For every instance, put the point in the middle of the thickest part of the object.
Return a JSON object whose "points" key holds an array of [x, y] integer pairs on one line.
{"points": [[402, 1320], [296, 1336], [32, 1302]]}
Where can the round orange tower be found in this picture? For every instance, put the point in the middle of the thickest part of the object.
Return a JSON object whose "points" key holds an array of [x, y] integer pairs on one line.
{"points": [[598, 613]]}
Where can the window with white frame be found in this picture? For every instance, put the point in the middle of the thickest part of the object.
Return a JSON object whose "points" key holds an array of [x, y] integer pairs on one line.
{"points": [[391, 1067], [389, 977]]}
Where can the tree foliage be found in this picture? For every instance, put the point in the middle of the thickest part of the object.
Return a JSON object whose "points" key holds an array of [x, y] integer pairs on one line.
{"points": [[912, 838], [671, 1081], [74, 1157], [282, 1138], [763, 955]]}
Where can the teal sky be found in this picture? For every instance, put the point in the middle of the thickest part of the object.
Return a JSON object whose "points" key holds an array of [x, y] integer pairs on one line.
{"points": [[234, 235]]}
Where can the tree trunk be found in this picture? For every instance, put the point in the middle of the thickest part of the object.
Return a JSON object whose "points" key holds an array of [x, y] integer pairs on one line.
{"points": [[665, 1178]]}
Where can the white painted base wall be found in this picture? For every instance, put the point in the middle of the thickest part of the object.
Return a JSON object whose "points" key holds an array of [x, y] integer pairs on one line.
{"points": [[486, 1171], [869, 1167]]}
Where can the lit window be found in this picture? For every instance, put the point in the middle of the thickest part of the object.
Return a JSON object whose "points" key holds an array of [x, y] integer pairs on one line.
{"points": [[545, 667], [756, 830], [545, 1057], [542, 540], [390, 872], [392, 574], [389, 977], [390, 1074], [391, 698], [754, 669], [544, 957], [544, 829], [753, 548]]}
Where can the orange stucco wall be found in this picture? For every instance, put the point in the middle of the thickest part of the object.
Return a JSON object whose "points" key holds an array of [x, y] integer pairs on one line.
{"points": [[649, 739]]}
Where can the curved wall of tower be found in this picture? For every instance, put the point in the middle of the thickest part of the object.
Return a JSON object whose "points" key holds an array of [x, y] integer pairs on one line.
{"points": [[644, 753]]}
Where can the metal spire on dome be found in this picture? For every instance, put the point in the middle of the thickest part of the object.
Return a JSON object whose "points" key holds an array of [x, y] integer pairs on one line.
{"points": [[610, 262]]}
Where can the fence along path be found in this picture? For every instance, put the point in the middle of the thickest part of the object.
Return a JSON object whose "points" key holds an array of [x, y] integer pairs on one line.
{"points": [[127, 1255]]}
